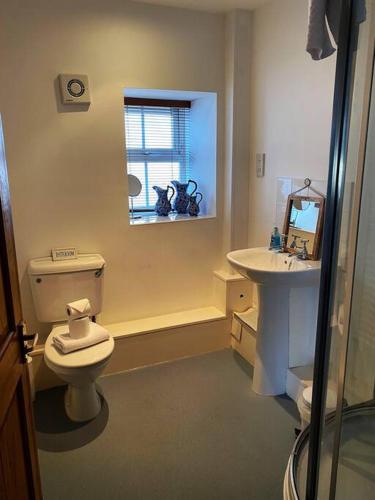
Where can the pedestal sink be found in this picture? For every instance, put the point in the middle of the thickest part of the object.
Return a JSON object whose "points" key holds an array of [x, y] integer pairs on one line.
{"points": [[275, 274]]}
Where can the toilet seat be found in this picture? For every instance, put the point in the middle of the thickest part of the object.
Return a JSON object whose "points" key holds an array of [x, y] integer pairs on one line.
{"points": [[76, 359], [331, 398]]}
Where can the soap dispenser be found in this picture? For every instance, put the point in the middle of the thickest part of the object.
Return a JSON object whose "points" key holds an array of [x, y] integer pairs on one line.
{"points": [[275, 239]]}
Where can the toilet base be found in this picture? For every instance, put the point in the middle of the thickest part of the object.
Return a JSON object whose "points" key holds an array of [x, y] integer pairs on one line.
{"points": [[82, 403]]}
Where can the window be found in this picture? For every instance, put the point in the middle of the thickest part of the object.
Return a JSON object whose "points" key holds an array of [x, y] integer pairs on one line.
{"points": [[157, 134]]}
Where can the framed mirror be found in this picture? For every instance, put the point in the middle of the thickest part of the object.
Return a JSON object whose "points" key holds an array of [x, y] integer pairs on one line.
{"points": [[304, 224]]}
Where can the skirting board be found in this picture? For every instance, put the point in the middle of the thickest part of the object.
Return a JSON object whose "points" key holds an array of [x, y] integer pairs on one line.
{"points": [[155, 347]]}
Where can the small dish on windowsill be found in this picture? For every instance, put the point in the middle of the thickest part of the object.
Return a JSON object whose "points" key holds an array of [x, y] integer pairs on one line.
{"points": [[142, 218]]}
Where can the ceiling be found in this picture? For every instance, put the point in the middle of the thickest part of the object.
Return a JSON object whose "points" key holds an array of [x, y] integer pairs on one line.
{"points": [[209, 5]]}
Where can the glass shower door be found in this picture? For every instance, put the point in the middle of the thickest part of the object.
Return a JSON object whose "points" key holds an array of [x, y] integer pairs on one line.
{"points": [[341, 448], [334, 458], [347, 454], [355, 440]]}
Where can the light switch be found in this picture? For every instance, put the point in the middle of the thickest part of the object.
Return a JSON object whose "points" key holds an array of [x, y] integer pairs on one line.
{"points": [[260, 164]]}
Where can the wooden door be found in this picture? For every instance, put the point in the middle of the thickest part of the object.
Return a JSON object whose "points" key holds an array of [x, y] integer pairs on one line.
{"points": [[19, 470]]}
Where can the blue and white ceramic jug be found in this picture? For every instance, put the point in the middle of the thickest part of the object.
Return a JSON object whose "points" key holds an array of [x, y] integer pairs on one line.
{"points": [[182, 199], [193, 208], [163, 205]]}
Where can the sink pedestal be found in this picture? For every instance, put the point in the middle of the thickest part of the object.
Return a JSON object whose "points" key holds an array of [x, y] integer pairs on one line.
{"points": [[272, 341], [279, 277]]}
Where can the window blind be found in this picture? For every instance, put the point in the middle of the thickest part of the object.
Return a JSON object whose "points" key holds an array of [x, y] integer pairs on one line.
{"points": [[158, 148]]}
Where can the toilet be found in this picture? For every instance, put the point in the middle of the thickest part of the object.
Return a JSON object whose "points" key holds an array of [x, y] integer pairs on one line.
{"points": [[55, 284], [304, 403]]}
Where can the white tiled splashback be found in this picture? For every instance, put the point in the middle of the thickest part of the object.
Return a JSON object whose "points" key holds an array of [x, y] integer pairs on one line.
{"points": [[287, 185]]}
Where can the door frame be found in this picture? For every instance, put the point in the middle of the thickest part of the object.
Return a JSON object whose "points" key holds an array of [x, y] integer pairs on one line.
{"points": [[14, 374]]}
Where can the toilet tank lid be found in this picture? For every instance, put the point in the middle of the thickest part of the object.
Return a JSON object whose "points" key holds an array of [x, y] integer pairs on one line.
{"points": [[84, 262]]}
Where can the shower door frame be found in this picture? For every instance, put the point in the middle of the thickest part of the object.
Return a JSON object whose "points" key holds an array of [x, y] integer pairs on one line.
{"points": [[345, 66], [352, 257]]}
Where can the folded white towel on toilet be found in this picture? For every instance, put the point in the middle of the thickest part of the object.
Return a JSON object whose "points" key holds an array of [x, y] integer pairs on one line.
{"points": [[65, 343], [78, 308]]}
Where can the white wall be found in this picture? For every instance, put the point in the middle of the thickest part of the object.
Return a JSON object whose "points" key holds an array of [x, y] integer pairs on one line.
{"points": [[67, 166], [291, 107], [237, 129], [203, 117]]}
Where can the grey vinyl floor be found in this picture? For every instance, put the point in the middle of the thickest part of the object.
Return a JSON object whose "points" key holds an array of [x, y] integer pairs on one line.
{"points": [[189, 429]]}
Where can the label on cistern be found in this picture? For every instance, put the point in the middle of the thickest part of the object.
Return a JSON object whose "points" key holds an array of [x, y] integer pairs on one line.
{"points": [[64, 253]]}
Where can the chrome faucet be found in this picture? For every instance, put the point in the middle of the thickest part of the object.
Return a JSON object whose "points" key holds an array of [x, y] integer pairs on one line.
{"points": [[284, 244], [294, 242], [302, 254]]}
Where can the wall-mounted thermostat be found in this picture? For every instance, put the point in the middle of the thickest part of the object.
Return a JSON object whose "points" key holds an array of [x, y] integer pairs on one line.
{"points": [[74, 89]]}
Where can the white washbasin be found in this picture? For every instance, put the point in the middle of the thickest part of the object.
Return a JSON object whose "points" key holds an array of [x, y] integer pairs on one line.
{"points": [[276, 275], [266, 267]]}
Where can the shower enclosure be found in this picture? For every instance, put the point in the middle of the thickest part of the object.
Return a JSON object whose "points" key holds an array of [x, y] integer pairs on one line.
{"points": [[334, 458]]}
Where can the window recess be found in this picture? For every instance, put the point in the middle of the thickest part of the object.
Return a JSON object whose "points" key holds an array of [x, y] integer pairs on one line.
{"points": [[157, 137]]}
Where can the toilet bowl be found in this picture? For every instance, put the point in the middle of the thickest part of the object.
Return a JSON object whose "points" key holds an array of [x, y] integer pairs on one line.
{"points": [[304, 403], [80, 369]]}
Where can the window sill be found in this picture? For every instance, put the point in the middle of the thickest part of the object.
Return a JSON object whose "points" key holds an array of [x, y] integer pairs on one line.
{"points": [[145, 219]]}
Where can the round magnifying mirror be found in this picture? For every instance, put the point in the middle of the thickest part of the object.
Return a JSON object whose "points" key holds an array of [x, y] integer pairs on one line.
{"points": [[134, 185], [134, 188]]}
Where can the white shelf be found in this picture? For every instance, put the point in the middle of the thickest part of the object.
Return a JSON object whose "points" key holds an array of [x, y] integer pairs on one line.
{"points": [[153, 324], [158, 219], [229, 276], [248, 318], [164, 322]]}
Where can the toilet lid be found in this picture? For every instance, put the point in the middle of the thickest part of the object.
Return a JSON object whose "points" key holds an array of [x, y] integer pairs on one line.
{"points": [[84, 357], [330, 400]]}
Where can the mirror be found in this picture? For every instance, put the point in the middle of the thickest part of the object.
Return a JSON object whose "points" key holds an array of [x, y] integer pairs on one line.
{"points": [[304, 223], [134, 189], [134, 185]]}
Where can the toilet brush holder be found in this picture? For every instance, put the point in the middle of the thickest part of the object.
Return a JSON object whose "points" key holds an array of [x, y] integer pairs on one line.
{"points": [[79, 328]]}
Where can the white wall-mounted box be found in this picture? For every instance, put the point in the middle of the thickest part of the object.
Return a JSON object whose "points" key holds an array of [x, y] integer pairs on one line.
{"points": [[74, 89]]}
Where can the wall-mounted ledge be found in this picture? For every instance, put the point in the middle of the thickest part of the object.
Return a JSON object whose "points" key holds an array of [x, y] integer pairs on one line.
{"points": [[165, 322], [152, 324], [157, 219], [153, 340], [227, 276]]}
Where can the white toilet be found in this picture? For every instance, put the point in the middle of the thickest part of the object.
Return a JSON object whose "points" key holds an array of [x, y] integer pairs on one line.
{"points": [[54, 284]]}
